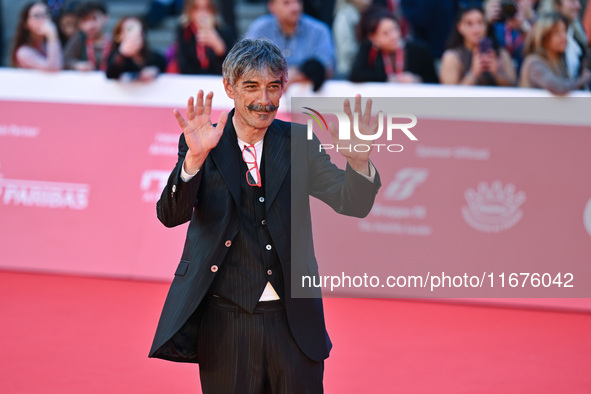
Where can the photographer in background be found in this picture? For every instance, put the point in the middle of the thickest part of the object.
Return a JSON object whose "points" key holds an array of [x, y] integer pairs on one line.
{"points": [[527, 10], [510, 21]]}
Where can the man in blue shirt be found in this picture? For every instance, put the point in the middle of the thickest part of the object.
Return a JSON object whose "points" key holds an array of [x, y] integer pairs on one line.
{"points": [[306, 43]]}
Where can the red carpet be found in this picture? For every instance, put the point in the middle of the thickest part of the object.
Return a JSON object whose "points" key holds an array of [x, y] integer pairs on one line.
{"points": [[84, 335]]}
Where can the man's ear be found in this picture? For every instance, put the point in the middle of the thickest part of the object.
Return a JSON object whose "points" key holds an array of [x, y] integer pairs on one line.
{"points": [[228, 88]]}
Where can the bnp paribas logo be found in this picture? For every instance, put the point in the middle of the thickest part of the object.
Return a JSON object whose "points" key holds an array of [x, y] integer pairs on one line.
{"points": [[393, 124]]}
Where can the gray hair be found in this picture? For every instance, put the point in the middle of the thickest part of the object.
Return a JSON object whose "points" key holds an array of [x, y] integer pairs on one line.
{"points": [[252, 56]]}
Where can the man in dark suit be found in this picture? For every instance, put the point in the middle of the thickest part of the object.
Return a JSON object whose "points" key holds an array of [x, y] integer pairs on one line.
{"points": [[230, 306]]}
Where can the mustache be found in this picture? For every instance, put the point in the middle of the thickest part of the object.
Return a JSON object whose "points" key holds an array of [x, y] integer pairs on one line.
{"points": [[262, 108]]}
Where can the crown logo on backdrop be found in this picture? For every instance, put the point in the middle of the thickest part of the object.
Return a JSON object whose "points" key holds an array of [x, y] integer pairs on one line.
{"points": [[493, 208]]}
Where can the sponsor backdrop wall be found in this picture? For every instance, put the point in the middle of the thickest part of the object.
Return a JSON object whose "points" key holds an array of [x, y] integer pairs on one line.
{"points": [[83, 161]]}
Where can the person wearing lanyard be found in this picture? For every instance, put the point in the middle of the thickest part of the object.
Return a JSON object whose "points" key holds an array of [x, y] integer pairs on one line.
{"points": [[385, 57], [510, 24], [201, 43], [88, 49]]}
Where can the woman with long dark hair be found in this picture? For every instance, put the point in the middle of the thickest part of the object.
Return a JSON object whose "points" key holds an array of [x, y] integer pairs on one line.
{"points": [[36, 42], [384, 56], [545, 63], [472, 57], [130, 56]]}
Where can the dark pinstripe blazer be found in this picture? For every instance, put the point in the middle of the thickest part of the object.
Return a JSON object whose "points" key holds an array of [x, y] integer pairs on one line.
{"points": [[210, 201]]}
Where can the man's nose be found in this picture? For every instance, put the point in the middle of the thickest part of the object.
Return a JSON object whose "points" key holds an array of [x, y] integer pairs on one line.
{"points": [[264, 97]]}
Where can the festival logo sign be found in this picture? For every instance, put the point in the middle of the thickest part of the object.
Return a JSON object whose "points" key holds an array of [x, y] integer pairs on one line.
{"points": [[405, 182], [494, 208], [43, 194], [164, 144], [389, 215]]}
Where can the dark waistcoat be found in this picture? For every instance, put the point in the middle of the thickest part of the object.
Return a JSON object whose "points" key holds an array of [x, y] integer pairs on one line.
{"points": [[252, 260]]}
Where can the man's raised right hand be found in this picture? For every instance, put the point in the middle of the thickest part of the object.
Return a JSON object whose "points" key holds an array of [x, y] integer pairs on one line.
{"points": [[200, 134]]}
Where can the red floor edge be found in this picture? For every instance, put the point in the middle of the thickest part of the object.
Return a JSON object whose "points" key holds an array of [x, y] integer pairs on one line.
{"points": [[64, 334]]}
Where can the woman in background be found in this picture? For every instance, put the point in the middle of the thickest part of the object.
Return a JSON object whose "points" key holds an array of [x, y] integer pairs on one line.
{"points": [[130, 58], [36, 42], [576, 45], [545, 64], [472, 57], [385, 56], [202, 44]]}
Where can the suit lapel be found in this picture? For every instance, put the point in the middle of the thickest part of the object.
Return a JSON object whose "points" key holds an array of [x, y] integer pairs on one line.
{"points": [[226, 156], [277, 148]]}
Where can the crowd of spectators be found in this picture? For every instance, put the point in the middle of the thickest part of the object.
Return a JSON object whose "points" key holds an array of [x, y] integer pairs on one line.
{"points": [[529, 43]]}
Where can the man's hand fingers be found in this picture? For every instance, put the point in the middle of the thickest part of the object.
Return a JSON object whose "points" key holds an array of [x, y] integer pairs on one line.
{"points": [[199, 105], [190, 109], [334, 132], [208, 100], [180, 119], [358, 105], [367, 114], [347, 109], [375, 121], [222, 120]]}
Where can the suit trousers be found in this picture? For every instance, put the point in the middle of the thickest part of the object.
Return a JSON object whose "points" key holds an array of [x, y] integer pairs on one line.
{"points": [[243, 353]]}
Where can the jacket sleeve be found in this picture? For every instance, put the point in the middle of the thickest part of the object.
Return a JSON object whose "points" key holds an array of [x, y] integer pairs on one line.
{"points": [[178, 198], [347, 192]]}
